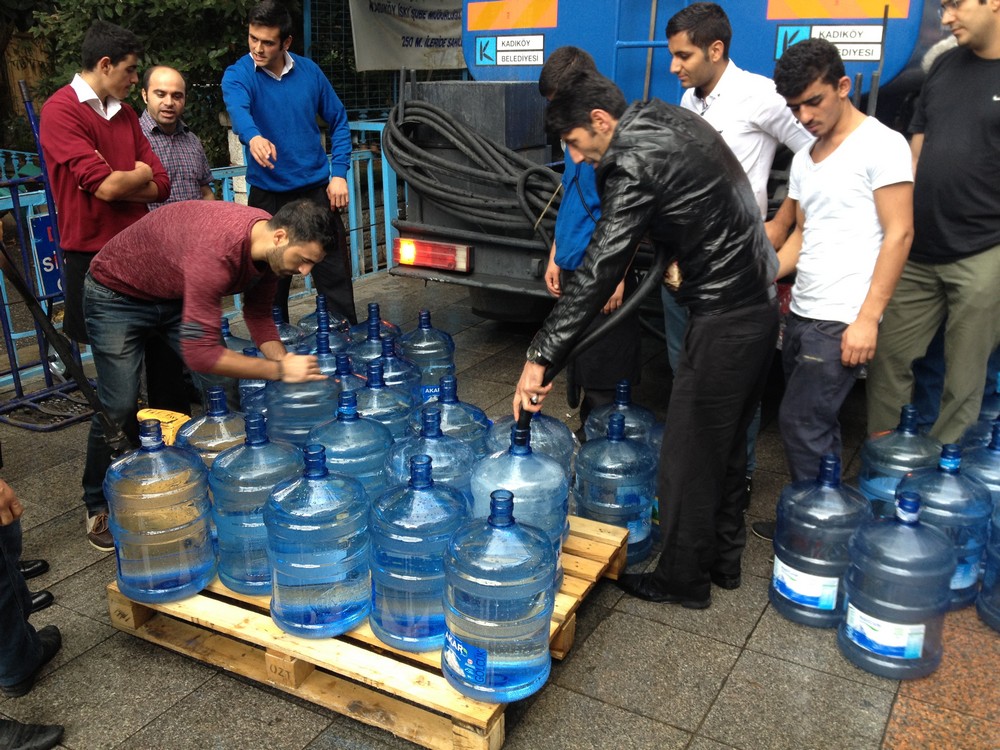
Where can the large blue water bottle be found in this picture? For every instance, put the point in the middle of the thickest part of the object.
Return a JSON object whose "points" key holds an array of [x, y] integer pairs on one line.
{"points": [[816, 519], [638, 419], [160, 519], [251, 389], [240, 480], [336, 341], [616, 484], [293, 409], [318, 546], [984, 464], [452, 458], [498, 606], [548, 435], [399, 372], [960, 507], [326, 357], [382, 403], [310, 323], [459, 419], [345, 378], [410, 529], [433, 351], [233, 343], [887, 457], [897, 594], [540, 486], [363, 328], [215, 431], [365, 348], [355, 446], [289, 333]]}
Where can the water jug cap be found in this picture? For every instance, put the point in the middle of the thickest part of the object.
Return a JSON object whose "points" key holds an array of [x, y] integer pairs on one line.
{"points": [[616, 426], [373, 311], [250, 351], [424, 319], [256, 428], [314, 455], [623, 392], [388, 347], [449, 389], [375, 374], [150, 435], [908, 420], [829, 470], [420, 471], [951, 458], [908, 506], [430, 422], [501, 508]]}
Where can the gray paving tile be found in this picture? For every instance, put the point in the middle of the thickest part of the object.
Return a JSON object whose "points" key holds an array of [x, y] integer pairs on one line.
{"points": [[731, 618], [758, 555], [772, 704], [347, 734], [703, 743], [811, 647], [650, 669], [252, 718], [767, 487], [62, 541], [563, 719], [84, 592], [51, 491]]}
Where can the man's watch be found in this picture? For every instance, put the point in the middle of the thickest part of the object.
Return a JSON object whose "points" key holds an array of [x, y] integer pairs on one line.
{"points": [[533, 355]]}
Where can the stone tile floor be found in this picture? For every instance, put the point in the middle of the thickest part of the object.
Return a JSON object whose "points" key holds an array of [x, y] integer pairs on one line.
{"points": [[640, 675]]}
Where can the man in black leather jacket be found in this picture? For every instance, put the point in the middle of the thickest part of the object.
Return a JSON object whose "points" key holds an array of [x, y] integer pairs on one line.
{"points": [[665, 174]]}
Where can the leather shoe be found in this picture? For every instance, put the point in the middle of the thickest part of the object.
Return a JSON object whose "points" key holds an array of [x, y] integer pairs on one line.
{"points": [[33, 568], [726, 582], [40, 600], [18, 736], [643, 586], [51, 640]]}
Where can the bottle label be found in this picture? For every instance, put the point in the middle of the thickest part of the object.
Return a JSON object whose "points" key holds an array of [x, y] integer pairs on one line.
{"points": [[427, 392], [639, 528], [465, 659], [884, 638], [966, 574], [819, 592]]}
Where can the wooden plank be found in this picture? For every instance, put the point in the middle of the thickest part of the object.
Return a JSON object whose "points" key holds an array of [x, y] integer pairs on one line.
{"points": [[596, 531], [588, 548], [582, 568], [562, 642]]}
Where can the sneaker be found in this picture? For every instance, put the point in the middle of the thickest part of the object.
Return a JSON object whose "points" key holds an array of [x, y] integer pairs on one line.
{"points": [[98, 533], [51, 640], [764, 529]]}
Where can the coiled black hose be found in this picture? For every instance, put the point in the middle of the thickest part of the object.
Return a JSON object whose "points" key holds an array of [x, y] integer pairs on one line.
{"points": [[516, 195]]}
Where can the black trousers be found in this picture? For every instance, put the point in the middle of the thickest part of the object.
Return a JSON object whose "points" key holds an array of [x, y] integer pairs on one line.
{"points": [[721, 375], [332, 275]]}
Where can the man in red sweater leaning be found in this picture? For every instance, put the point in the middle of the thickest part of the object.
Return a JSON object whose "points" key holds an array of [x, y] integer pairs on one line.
{"points": [[103, 172], [166, 275]]}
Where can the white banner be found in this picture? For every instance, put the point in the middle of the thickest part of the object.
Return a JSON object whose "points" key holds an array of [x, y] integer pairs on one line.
{"points": [[415, 34]]}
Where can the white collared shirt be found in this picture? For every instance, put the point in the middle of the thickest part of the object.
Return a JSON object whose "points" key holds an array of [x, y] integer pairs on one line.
{"points": [[752, 119], [289, 64], [87, 95]]}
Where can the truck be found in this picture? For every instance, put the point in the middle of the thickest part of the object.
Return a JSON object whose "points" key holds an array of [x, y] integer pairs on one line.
{"points": [[482, 176]]}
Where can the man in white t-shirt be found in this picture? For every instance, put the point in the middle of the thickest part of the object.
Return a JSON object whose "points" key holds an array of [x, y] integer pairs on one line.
{"points": [[853, 196]]}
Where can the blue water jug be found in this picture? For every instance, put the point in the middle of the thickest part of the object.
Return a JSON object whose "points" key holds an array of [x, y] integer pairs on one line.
{"points": [[335, 341], [289, 333], [240, 481], [310, 323], [960, 507], [215, 431], [410, 529], [293, 409], [887, 457], [540, 486], [399, 372], [345, 378], [978, 434], [433, 351], [233, 343], [616, 484], [897, 594], [452, 458], [364, 349], [160, 518], [638, 419], [498, 606], [383, 404], [548, 435], [355, 446], [816, 519], [459, 419], [251, 389], [326, 357], [364, 327], [984, 464], [988, 601], [318, 546]]}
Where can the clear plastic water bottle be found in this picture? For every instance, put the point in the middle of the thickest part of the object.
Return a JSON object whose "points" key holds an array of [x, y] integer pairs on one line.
{"points": [[336, 341], [249, 387], [548, 435], [289, 333], [988, 601], [452, 458], [160, 519], [234, 343], [364, 349], [960, 507], [498, 606], [215, 431], [326, 358], [984, 464], [345, 377], [399, 372], [433, 350], [410, 530], [978, 434], [385, 328], [616, 484], [318, 547], [540, 486], [897, 594], [887, 457], [240, 481], [459, 419], [293, 409], [310, 322], [383, 404], [355, 446], [815, 522], [638, 419]]}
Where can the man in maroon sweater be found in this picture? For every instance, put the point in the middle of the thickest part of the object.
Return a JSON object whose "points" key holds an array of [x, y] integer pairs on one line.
{"points": [[103, 172], [165, 276]]}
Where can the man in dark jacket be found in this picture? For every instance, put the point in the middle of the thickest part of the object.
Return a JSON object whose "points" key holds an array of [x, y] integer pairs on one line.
{"points": [[663, 173]]}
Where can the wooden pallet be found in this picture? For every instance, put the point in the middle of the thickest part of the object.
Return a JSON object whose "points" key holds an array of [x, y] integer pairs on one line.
{"points": [[356, 674]]}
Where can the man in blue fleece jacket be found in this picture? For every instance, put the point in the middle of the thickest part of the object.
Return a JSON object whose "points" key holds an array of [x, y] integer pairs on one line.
{"points": [[273, 98]]}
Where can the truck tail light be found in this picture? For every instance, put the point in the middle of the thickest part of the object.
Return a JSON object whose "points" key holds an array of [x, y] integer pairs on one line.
{"points": [[427, 254]]}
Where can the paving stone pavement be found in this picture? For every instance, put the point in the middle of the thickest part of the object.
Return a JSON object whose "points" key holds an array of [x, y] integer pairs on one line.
{"points": [[640, 675]]}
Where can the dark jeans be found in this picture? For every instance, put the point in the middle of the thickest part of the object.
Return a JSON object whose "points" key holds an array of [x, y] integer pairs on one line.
{"points": [[20, 648], [332, 275], [816, 384], [720, 376]]}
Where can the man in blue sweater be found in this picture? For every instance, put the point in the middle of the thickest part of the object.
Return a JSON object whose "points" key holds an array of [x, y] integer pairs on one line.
{"points": [[273, 98]]}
